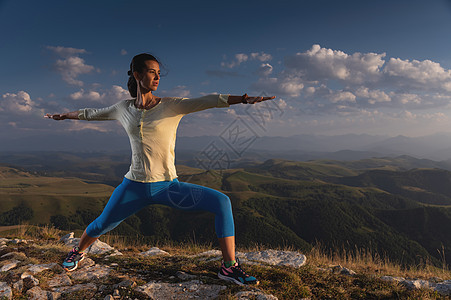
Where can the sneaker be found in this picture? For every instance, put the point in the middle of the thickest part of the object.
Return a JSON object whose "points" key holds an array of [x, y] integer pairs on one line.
{"points": [[72, 260], [236, 274]]}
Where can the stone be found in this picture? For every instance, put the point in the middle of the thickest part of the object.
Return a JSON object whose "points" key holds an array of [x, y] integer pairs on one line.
{"points": [[125, 284], [187, 290], [35, 269], [392, 279], [444, 288], [18, 241], [29, 282], [60, 280], [97, 247], [254, 295], [4, 240], [184, 276], [116, 293], [15, 255], [417, 284], [5, 291], [36, 293], [109, 297], [154, 251], [75, 288], [278, 258], [18, 285], [91, 273], [8, 265]]}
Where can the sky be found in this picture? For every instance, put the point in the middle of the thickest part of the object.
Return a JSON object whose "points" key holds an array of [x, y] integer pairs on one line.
{"points": [[336, 67]]}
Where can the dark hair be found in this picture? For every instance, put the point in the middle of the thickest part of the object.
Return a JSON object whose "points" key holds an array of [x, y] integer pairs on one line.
{"points": [[138, 65]]}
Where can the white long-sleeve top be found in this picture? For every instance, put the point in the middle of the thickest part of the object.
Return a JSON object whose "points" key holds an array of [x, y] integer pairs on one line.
{"points": [[152, 132]]}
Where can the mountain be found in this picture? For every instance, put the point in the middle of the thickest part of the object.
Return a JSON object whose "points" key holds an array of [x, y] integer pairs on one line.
{"points": [[369, 204]]}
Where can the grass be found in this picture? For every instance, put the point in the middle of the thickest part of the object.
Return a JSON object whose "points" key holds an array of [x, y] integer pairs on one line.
{"points": [[314, 280]]}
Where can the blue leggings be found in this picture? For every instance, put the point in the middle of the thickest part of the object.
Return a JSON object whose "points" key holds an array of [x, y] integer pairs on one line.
{"points": [[131, 196]]}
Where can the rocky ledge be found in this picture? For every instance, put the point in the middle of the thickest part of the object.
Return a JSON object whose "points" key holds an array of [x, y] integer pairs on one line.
{"points": [[31, 270]]}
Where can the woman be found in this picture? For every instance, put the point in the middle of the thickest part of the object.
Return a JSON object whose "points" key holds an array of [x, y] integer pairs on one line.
{"points": [[151, 124]]}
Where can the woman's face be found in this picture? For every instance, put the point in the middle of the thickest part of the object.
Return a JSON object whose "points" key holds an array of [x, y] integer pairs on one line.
{"points": [[150, 76]]}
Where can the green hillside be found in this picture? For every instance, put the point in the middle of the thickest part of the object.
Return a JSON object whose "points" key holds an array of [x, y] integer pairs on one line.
{"points": [[401, 215]]}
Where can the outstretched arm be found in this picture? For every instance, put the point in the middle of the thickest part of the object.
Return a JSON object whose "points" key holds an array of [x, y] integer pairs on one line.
{"points": [[245, 99], [70, 115]]}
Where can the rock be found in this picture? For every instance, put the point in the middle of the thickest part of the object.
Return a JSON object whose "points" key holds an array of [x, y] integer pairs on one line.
{"points": [[36, 293], [18, 285], [417, 284], [86, 263], [91, 273], [15, 255], [342, 270], [18, 241], [186, 290], [154, 251], [60, 280], [29, 282], [278, 258], [75, 288], [184, 276], [97, 248], [35, 269], [4, 240], [443, 288], [125, 284], [116, 294], [109, 297], [254, 295], [8, 265], [392, 279], [5, 291]]}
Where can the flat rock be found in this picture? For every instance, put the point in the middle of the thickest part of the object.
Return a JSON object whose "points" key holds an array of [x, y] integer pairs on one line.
{"points": [[76, 288], [278, 258], [392, 279], [18, 241], [8, 265], [443, 288], [91, 273], [36, 293], [14, 255], [418, 284], [35, 269], [184, 276], [187, 290], [153, 252], [98, 247], [254, 295], [60, 280], [5, 291]]}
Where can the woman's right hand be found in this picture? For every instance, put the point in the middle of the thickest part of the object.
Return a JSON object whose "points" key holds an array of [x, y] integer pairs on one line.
{"points": [[57, 117]]}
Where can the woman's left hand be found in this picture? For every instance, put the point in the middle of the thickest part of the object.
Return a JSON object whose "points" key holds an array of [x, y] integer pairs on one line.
{"points": [[252, 100]]}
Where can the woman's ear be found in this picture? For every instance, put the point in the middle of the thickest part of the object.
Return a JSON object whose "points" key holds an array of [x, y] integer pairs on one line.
{"points": [[137, 76]]}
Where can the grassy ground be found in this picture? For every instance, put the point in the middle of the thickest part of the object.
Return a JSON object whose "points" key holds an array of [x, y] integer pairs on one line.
{"points": [[314, 280]]}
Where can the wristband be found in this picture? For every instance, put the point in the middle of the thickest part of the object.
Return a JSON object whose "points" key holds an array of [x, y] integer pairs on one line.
{"points": [[243, 99]]}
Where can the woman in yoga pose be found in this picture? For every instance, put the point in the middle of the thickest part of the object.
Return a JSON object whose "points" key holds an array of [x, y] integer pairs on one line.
{"points": [[151, 124]]}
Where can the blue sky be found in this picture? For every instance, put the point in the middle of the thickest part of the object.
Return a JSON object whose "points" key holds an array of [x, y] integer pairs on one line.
{"points": [[336, 67]]}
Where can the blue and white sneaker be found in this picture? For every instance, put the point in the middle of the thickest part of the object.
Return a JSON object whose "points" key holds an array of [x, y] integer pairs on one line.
{"points": [[236, 274], [72, 260]]}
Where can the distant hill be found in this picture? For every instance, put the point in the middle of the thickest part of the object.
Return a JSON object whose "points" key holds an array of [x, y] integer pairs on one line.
{"points": [[378, 204]]}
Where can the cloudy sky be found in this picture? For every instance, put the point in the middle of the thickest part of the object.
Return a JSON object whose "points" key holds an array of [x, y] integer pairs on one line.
{"points": [[336, 67]]}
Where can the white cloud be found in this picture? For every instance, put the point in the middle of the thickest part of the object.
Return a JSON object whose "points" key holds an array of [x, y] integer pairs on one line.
{"points": [[242, 57], [318, 64], [261, 56], [19, 103], [342, 96], [95, 98], [66, 51], [71, 65]]}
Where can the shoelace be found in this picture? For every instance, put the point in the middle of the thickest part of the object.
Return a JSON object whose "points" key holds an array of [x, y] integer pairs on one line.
{"points": [[71, 256]]}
